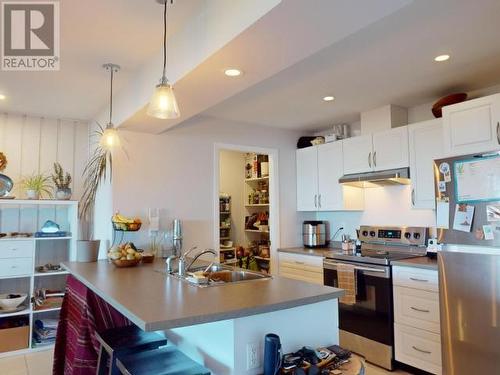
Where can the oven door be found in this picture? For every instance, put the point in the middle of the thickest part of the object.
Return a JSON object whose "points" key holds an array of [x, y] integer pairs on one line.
{"points": [[371, 316]]}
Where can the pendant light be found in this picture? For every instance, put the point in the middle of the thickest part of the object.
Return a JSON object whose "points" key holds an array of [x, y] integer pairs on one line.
{"points": [[163, 104], [110, 138]]}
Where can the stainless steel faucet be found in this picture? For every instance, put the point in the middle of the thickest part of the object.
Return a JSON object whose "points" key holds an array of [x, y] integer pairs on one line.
{"points": [[182, 260]]}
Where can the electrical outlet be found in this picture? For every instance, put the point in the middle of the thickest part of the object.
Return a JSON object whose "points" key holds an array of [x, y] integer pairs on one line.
{"points": [[253, 356]]}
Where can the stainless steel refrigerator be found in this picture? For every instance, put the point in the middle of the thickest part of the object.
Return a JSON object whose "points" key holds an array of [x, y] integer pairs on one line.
{"points": [[468, 212]]}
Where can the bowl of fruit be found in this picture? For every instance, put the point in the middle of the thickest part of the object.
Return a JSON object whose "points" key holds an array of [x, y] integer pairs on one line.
{"points": [[126, 224], [125, 255]]}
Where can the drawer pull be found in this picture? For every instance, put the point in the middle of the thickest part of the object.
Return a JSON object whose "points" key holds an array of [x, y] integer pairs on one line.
{"points": [[13, 249], [419, 280], [297, 262], [419, 310], [421, 350], [13, 267]]}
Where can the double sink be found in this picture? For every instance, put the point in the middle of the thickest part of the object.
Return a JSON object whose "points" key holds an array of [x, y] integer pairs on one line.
{"points": [[219, 274]]}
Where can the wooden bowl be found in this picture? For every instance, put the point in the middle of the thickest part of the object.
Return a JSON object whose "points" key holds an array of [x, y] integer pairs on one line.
{"points": [[126, 263], [148, 258], [447, 100]]}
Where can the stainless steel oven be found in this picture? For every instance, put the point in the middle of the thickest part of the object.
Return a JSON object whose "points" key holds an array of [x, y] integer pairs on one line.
{"points": [[366, 322], [367, 325]]}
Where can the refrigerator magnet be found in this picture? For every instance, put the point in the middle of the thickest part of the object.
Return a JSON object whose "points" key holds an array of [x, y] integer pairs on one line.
{"points": [[444, 168], [488, 232], [493, 212], [442, 187]]}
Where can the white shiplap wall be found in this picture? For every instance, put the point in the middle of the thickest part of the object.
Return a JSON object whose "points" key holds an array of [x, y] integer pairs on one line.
{"points": [[32, 145]]}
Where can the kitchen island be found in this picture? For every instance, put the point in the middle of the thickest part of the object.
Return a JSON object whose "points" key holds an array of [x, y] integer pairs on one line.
{"points": [[217, 325]]}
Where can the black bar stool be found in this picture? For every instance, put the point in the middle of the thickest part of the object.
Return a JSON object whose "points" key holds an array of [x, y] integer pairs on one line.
{"points": [[116, 342], [164, 361]]}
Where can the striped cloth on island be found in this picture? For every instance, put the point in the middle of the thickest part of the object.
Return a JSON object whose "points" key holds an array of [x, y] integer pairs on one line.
{"points": [[83, 314]]}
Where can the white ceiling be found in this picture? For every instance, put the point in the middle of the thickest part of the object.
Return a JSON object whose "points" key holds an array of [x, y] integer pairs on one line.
{"points": [[390, 61], [93, 32]]}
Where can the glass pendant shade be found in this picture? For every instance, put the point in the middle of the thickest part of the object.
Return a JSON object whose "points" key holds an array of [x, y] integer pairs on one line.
{"points": [[110, 138], [163, 104]]}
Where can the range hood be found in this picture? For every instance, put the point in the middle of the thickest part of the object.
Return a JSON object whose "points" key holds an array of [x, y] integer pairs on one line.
{"points": [[389, 177]]}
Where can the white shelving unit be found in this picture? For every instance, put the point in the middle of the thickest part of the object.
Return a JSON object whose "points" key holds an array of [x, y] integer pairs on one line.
{"points": [[224, 215], [251, 185], [19, 257]]}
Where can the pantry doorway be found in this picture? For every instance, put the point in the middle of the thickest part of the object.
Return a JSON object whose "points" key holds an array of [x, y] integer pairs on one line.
{"points": [[246, 206]]}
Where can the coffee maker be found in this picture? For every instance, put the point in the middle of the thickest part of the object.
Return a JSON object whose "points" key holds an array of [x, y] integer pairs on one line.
{"points": [[315, 233]]}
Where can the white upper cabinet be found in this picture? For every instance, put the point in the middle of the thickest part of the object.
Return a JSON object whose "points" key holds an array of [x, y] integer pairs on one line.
{"points": [[307, 179], [330, 169], [376, 152], [390, 149], [319, 169], [358, 152], [472, 126], [426, 144]]}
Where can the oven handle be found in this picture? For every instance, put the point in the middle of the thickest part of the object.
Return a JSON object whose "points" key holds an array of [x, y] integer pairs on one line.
{"points": [[357, 268]]}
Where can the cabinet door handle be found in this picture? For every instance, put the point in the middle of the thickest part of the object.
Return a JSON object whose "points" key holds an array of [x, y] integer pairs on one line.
{"points": [[498, 130], [375, 159], [413, 197], [13, 267], [319, 201], [316, 200], [419, 310], [419, 280], [297, 262], [370, 159], [421, 350]]}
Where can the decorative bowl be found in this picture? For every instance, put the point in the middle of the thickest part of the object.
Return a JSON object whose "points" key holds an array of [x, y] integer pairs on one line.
{"points": [[447, 100], [126, 263], [7, 303]]}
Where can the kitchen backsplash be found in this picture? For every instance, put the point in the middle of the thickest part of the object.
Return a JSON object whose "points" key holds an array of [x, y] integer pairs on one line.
{"points": [[390, 205]]}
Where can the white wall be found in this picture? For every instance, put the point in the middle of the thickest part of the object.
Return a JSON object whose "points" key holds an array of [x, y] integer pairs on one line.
{"points": [[32, 145], [231, 180], [174, 171]]}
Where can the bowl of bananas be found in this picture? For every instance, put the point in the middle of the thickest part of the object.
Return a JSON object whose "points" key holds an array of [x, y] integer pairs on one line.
{"points": [[126, 224]]}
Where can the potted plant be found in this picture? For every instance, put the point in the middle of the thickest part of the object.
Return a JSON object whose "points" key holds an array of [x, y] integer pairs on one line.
{"points": [[62, 182], [37, 186], [96, 172]]}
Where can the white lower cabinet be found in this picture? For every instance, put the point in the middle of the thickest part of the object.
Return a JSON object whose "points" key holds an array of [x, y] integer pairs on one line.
{"points": [[301, 267], [418, 348], [417, 338]]}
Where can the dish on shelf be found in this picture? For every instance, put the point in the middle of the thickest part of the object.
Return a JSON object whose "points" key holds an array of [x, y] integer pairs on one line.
{"points": [[46, 268], [6, 185], [11, 301], [13, 310], [15, 235]]}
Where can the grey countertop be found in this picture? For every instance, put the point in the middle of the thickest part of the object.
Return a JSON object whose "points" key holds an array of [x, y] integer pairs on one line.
{"points": [[155, 301], [419, 262], [318, 252]]}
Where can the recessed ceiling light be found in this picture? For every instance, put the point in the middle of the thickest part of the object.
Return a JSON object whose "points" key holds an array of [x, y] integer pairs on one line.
{"points": [[329, 98], [441, 58], [2, 97], [232, 72]]}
